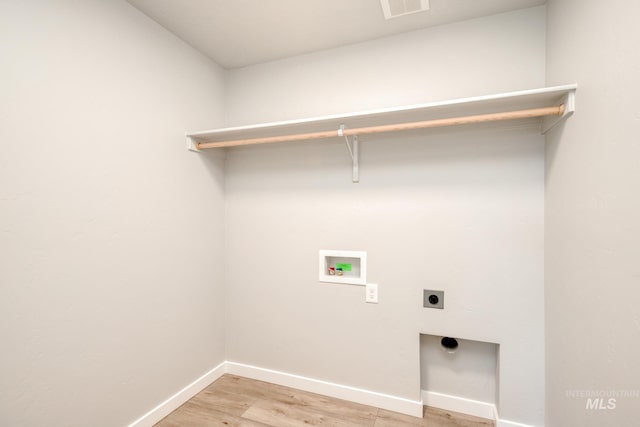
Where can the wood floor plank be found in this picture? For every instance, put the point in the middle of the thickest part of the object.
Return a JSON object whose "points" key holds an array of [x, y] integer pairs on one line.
{"points": [[221, 400], [191, 416], [252, 388], [392, 419], [441, 417], [431, 417], [294, 415], [328, 405]]}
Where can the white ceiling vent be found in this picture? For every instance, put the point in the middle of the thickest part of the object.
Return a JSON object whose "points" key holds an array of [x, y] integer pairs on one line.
{"points": [[396, 8]]}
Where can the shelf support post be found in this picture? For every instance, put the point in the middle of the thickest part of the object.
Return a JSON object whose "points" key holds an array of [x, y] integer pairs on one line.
{"points": [[353, 151], [355, 160]]}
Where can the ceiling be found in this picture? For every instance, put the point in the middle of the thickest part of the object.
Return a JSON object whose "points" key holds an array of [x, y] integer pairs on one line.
{"points": [[237, 33]]}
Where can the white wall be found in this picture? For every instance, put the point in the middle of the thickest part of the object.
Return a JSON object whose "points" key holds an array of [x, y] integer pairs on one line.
{"points": [[455, 210], [110, 231], [592, 289], [489, 55]]}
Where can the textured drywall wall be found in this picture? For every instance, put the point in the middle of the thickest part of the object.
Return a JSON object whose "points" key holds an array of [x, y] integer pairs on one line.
{"points": [[459, 210], [592, 273], [111, 282], [500, 53]]}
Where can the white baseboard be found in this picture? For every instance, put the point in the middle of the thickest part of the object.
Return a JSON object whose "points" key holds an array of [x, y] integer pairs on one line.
{"points": [[366, 397], [174, 402], [459, 404], [467, 406], [505, 423]]}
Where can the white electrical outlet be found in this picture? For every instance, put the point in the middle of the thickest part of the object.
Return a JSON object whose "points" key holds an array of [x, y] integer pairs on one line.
{"points": [[372, 293]]}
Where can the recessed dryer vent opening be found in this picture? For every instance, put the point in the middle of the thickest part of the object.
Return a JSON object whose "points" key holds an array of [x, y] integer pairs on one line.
{"points": [[450, 345], [459, 375]]}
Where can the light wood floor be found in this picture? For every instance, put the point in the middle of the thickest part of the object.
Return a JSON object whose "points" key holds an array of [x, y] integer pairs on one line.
{"points": [[238, 401]]}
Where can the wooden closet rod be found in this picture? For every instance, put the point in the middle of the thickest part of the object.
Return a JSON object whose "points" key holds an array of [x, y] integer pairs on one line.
{"points": [[481, 118]]}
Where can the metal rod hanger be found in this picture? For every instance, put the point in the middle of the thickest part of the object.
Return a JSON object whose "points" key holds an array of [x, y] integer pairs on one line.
{"points": [[557, 110]]}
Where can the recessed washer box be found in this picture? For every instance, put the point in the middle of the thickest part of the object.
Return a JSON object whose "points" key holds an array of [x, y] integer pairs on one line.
{"points": [[349, 267]]}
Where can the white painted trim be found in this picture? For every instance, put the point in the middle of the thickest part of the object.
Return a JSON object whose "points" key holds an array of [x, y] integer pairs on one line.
{"points": [[174, 402], [353, 394], [505, 423], [459, 404]]}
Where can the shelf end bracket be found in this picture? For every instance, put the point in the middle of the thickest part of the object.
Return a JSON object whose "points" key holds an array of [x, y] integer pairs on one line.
{"points": [[569, 102], [192, 145]]}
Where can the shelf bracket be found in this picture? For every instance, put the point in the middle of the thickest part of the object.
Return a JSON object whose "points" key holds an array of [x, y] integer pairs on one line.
{"points": [[569, 102], [353, 152], [192, 145]]}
